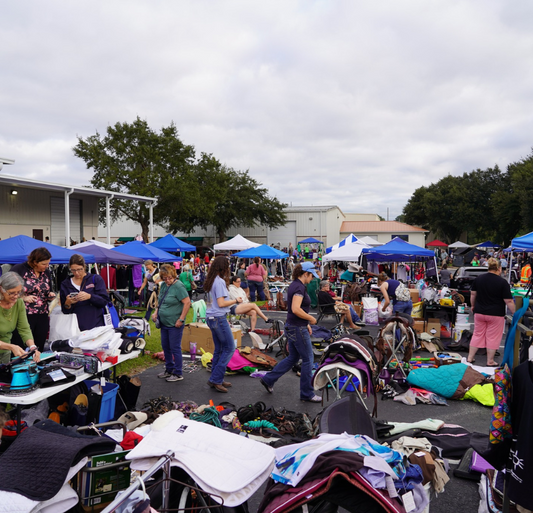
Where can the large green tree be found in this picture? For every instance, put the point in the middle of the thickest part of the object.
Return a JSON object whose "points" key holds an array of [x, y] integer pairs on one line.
{"points": [[135, 159], [233, 198]]}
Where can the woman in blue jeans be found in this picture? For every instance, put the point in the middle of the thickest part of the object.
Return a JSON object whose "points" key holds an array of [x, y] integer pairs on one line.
{"points": [[174, 303], [298, 331], [218, 306], [388, 288]]}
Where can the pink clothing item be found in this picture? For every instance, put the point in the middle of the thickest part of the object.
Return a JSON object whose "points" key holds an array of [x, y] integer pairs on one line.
{"points": [[255, 272], [488, 331], [237, 361]]}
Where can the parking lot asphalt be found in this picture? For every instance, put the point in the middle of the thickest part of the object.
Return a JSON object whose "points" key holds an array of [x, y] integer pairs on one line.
{"points": [[459, 493]]}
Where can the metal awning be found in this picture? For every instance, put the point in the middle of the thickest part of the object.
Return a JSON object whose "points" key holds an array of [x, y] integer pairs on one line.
{"points": [[15, 181]]}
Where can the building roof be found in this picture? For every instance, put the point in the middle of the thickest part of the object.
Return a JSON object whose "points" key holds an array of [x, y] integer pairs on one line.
{"points": [[378, 227], [37, 184], [312, 208]]}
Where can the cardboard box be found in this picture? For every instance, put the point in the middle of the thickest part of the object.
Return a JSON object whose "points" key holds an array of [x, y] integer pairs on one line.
{"points": [[415, 295], [201, 334], [433, 327], [358, 307], [444, 358], [419, 326]]}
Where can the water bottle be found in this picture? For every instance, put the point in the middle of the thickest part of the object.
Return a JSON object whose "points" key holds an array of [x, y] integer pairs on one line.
{"points": [[192, 350]]}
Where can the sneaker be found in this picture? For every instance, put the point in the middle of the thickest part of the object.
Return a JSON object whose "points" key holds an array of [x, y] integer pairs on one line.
{"points": [[268, 388], [314, 399], [361, 324], [164, 375], [269, 321], [174, 377]]}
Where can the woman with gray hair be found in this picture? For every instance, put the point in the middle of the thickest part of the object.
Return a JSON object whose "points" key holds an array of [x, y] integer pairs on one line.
{"points": [[13, 316]]}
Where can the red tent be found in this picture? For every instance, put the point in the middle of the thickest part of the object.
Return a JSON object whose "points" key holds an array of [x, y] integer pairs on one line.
{"points": [[436, 244]]}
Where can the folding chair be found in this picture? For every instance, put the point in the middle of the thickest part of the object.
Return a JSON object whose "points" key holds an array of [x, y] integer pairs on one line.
{"points": [[199, 309], [395, 342], [327, 311]]}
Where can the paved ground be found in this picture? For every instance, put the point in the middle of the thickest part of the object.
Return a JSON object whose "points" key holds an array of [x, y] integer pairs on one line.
{"points": [[474, 417]]}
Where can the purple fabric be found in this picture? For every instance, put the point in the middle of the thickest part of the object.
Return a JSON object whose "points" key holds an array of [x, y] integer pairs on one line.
{"points": [[137, 275]]}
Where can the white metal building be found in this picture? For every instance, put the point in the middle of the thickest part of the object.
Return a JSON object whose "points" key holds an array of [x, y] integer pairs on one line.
{"points": [[38, 209]]}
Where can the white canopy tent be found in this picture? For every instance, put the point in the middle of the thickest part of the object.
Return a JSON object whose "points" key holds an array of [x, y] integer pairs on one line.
{"points": [[370, 241], [458, 244], [238, 243], [92, 243], [348, 253], [347, 240]]}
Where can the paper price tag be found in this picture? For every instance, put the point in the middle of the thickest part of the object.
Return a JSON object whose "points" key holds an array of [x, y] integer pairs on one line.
{"points": [[408, 501], [57, 375], [420, 454], [391, 489]]}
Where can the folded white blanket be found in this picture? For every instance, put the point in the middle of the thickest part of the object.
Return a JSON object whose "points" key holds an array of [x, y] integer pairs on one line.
{"points": [[222, 463]]}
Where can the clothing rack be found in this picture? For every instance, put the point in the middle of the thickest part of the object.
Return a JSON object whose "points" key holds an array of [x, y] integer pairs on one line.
{"points": [[162, 463]]}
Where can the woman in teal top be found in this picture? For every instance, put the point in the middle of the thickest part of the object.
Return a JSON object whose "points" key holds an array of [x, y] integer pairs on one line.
{"points": [[174, 303], [13, 316]]}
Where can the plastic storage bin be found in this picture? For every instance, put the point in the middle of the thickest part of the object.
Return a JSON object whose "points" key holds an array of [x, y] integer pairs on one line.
{"points": [[349, 388], [109, 398]]}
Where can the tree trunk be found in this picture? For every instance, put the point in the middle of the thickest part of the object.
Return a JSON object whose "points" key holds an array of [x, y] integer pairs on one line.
{"points": [[144, 226], [221, 234]]}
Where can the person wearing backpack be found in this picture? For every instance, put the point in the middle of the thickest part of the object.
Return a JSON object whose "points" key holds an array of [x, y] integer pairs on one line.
{"points": [[397, 292]]}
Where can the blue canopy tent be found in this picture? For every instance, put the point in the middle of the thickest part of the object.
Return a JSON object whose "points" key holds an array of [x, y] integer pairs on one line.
{"points": [[310, 240], [488, 244], [171, 243], [108, 256], [15, 250], [525, 242], [139, 249], [263, 251], [397, 250]]}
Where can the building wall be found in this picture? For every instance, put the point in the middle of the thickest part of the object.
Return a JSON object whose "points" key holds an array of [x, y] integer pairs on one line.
{"points": [[361, 217], [29, 210]]}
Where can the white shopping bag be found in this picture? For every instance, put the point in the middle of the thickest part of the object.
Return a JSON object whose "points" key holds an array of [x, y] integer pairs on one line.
{"points": [[63, 326]]}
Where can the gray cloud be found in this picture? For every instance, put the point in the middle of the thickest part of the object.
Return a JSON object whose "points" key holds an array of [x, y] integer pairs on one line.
{"points": [[325, 102]]}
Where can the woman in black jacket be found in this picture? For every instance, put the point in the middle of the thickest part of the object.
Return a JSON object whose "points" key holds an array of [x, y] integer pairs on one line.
{"points": [[84, 295]]}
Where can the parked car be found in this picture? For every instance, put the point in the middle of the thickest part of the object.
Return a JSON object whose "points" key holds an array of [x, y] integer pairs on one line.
{"points": [[463, 277]]}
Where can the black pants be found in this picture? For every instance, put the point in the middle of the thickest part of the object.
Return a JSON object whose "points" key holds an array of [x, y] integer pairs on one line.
{"points": [[40, 326]]}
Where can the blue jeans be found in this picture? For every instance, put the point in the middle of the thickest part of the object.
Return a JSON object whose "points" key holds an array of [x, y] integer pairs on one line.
{"points": [[171, 344], [224, 347], [256, 285], [299, 348], [402, 307], [353, 313]]}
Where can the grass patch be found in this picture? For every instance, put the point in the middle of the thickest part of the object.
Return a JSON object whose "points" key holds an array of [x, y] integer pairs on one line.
{"points": [[153, 345]]}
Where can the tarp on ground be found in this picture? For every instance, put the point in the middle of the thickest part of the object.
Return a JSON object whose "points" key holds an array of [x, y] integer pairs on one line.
{"points": [[436, 244], [139, 249], [238, 243], [107, 256], [458, 244], [15, 250], [525, 242], [397, 250], [310, 240], [92, 243], [263, 251], [348, 253], [171, 243], [348, 240]]}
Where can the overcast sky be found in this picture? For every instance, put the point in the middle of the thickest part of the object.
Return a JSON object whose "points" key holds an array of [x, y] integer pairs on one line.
{"points": [[353, 103]]}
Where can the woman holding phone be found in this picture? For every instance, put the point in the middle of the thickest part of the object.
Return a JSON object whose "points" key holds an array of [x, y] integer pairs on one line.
{"points": [[84, 295]]}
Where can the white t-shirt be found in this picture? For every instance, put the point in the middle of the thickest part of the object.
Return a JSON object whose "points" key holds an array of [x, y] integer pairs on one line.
{"points": [[236, 292]]}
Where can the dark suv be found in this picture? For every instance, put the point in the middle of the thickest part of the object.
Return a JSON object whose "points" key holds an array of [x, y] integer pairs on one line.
{"points": [[463, 277]]}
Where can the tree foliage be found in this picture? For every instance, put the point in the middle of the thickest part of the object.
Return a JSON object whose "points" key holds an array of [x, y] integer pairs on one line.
{"points": [[135, 159], [487, 204]]}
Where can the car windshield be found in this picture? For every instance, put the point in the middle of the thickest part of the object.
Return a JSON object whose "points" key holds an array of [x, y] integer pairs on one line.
{"points": [[464, 272]]}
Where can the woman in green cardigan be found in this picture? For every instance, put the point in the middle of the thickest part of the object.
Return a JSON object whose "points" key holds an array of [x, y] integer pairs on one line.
{"points": [[13, 316]]}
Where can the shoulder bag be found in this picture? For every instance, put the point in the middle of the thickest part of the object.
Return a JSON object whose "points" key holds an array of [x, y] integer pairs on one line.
{"points": [[157, 321]]}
